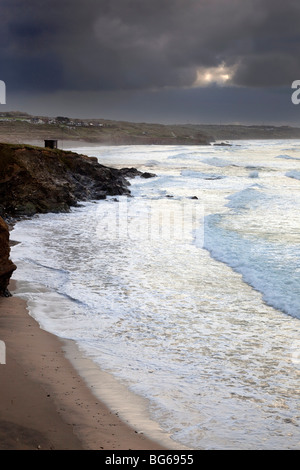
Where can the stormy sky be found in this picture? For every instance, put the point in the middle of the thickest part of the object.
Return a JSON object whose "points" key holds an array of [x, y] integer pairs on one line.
{"points": [[198, 61]]}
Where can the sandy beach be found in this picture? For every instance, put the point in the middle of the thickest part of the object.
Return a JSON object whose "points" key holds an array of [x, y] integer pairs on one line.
{"points": [[45, 404]]}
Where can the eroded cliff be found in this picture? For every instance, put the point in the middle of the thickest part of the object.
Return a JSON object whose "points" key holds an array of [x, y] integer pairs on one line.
{"points": [[6, 265], [39, 180]]}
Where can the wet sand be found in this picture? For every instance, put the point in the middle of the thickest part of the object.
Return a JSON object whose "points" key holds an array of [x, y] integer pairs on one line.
{"points": [[45, 404]]}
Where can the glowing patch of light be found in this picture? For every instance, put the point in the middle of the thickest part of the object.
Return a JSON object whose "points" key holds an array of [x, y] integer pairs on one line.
{"points": [[209, 75]]}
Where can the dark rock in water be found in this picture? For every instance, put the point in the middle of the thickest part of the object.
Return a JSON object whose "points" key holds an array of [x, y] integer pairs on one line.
{"points": [[147, 175], [39, 180], [226, 144], [133, 172], [7, 267], [130, 172]]}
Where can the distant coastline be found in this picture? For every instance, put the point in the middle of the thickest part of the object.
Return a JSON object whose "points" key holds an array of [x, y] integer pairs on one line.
{"points": [[19, 127]]}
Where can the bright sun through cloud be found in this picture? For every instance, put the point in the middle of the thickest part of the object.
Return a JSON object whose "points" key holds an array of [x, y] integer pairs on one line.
{"points": [[209, 75]]}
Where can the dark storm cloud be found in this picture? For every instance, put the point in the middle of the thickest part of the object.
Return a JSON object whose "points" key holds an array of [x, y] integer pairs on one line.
{"points": [[133, 44]]}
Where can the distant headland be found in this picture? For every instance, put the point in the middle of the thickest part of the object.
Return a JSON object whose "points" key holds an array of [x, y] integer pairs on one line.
{"points": [[21, 127]]}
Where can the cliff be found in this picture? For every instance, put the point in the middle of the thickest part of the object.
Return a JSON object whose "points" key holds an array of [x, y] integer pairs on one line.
{"points": [[39, 180], [6, 265]]}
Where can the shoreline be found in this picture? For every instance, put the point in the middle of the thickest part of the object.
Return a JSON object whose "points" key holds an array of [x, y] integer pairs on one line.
{"points": [[128, 406], [45, 403]]}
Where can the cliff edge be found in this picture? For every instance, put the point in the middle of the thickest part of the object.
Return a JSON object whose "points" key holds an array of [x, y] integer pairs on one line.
{"points": [[7, 267], [39, 180]]}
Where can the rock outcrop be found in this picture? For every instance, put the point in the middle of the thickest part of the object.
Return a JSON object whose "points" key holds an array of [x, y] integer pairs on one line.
{"points": [[133, 172], [39, 180], [6, 265]]}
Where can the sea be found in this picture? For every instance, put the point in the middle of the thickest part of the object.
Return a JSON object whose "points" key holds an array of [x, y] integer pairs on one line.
{"points": [[186, 293]]}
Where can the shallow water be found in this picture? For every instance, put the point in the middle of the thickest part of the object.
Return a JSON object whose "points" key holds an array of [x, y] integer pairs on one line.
{"points": [[188, 292]]}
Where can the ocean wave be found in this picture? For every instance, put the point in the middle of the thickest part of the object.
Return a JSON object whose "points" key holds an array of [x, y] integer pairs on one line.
{"points": [[287, 157], [246, 198], [261, 264], [253, 174], [216, 161], [199, 174], [293, 174]]}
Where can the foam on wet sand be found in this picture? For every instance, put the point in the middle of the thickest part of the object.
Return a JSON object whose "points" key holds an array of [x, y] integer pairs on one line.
{"points": [[45, 404]]}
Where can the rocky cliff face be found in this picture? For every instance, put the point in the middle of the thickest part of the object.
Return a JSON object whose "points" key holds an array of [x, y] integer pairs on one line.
{"points": [[36, 180], [39, 180], [6, 265]]}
